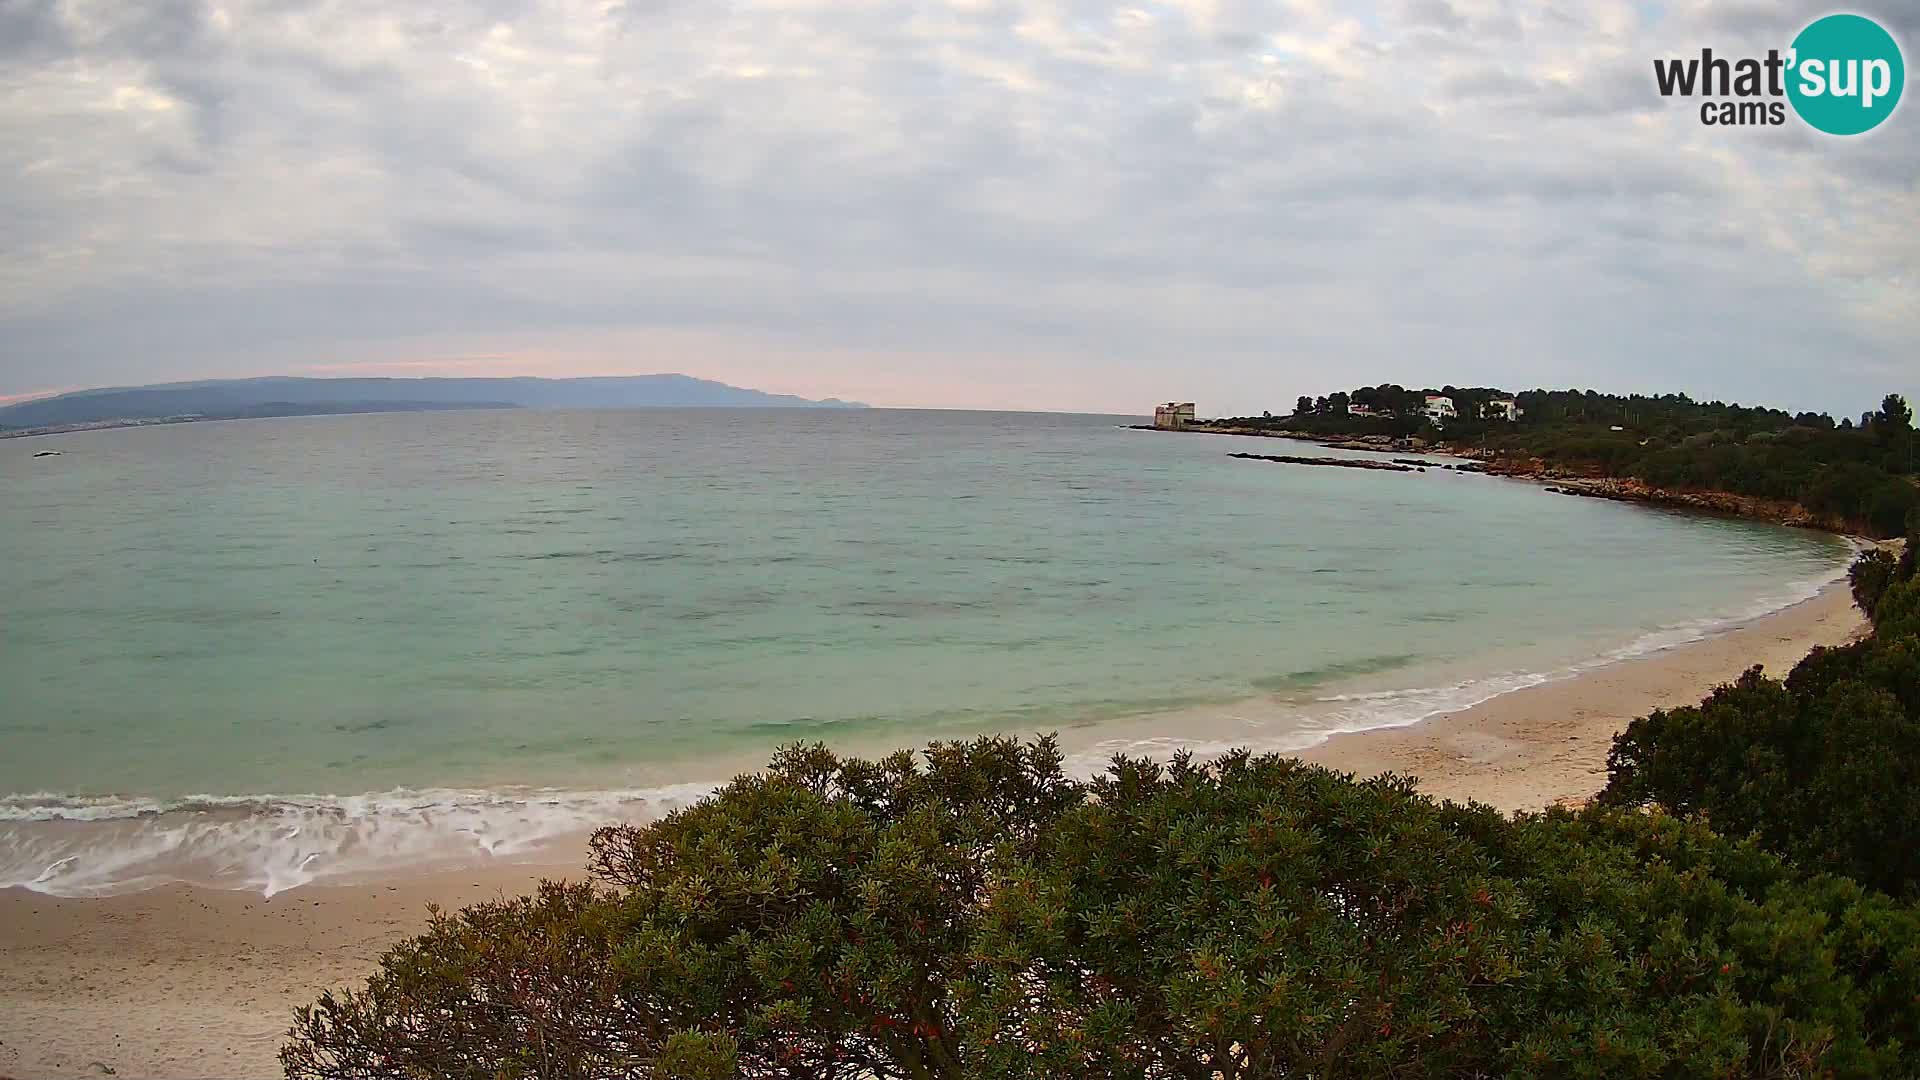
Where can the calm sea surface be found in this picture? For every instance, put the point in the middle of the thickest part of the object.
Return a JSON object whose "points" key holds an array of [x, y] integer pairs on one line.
{"points": [[255, 653]]}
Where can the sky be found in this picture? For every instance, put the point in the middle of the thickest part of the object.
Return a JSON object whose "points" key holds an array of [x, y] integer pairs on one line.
{"points": [[1032, 204]]}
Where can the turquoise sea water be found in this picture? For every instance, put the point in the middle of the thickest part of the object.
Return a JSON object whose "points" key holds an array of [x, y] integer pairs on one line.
{"points": [[255, 653]]}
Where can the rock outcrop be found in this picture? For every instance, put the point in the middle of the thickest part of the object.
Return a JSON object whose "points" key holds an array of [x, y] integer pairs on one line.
{"points": [[1343, 463], [1627, 489]]}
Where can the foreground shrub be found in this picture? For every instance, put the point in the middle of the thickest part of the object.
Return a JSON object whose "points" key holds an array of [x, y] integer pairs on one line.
{"points": [[975, 913], [1897, 614], [1260, 917], [1823, 767], [807, 921], [1870, 575]]}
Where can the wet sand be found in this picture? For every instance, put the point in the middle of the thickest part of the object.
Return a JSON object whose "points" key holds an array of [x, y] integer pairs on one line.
{"points": [[184, 982]]}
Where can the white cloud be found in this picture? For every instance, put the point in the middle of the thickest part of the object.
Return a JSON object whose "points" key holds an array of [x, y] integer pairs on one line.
{"points": [[1228, 200]]}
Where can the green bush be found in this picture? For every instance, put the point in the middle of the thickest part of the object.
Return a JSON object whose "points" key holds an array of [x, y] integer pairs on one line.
{"points": [[808, 921], [1261, 917], [975, 913], [1823, 767], [1893, 500], [1869, 576], [1898, 612]]}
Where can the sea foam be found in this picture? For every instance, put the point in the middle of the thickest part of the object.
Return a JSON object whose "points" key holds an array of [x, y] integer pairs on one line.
{"points": [[102, 846], [71, 845]]}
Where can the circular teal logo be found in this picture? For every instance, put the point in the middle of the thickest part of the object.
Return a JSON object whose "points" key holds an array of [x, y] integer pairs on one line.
{"points": [[1845, 74]]}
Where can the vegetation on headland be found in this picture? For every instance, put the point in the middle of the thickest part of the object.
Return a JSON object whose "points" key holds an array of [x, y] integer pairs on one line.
{"points": [[1857, 476], [974, 912]]}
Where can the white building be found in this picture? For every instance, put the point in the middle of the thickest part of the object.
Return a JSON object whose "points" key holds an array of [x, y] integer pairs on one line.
{"points": [[1501, 409], [1364, 410], [1174, 415], [1439, 409]]}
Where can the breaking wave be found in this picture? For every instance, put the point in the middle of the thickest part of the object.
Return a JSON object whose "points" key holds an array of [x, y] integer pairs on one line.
{"points": [[101, 846], [68, 845]]}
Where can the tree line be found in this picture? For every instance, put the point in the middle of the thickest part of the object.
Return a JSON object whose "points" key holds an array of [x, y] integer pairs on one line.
{"points": [[1739, 902], [1861, 473]]}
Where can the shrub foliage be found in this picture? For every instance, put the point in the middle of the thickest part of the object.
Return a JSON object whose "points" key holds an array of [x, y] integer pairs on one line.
{"points": [[1823, 766], [973, 911]]}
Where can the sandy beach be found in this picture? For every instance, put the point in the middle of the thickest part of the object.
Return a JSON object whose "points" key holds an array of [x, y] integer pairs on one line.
{"points": [[182, 982]]}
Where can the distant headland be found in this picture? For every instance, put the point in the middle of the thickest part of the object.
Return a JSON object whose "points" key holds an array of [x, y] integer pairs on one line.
{"points": [[1801, 468], [234, 399]]}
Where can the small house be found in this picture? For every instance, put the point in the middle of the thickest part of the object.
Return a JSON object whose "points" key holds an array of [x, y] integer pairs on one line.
{"points": [[1439, 409], [1501, 409]]}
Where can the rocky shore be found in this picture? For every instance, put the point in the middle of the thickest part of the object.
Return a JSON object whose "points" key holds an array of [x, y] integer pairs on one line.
{"points": [[1379, 443], [1344, 463], [1558, 480], [1778, 511], [1418, 465]]}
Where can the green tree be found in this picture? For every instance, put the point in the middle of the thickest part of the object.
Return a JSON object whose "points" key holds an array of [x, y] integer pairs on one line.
{"points": [[1895, 415], [1849, 478], [1823, 767], [972, 912], [1897, 419], [1906, 568], [810, 921], [1869, 577], [1258, 917], [1303, 406]]}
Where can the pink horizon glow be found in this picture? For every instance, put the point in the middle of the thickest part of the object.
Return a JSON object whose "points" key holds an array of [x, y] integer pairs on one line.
{"points": [[896, 378], [30, 395]]}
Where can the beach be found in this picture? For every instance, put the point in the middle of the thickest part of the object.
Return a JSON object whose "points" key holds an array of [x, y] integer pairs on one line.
{"points": [[186, 982]]}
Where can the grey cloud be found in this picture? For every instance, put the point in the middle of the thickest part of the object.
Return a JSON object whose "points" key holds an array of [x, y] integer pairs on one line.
{"points": [[1435, 13], [154, 27], [32, 30], [1412, 180]]}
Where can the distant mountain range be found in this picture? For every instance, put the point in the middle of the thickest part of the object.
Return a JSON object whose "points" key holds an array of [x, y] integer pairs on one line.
{"points": [[285, 396]]}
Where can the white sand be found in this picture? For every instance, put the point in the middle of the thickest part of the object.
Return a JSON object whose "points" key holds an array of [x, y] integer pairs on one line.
{"points": [[182, 982]]}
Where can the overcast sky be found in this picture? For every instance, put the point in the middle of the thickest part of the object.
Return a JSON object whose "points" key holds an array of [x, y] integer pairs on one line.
{"points": [[966, 203]]}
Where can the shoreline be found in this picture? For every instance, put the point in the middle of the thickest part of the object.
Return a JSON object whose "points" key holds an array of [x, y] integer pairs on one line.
{"points": [[186, 981], [1555, 479], [93, 847], [1547, 744]]}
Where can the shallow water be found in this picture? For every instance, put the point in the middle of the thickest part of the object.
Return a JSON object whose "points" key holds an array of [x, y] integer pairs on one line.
{"points": [[449, 611]]}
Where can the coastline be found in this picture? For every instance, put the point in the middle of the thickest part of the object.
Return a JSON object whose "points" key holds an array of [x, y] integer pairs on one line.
{"points": [[182, 981], [1547, 744], [1584, 483]]}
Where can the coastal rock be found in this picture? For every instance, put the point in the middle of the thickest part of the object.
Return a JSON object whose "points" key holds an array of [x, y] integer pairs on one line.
{"points": [[1627, 489], [1423, 465], [1343, 463], [1379, 443]]}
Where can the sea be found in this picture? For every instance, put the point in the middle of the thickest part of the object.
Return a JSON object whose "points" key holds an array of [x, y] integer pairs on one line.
{"points": [[256, 654]]}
